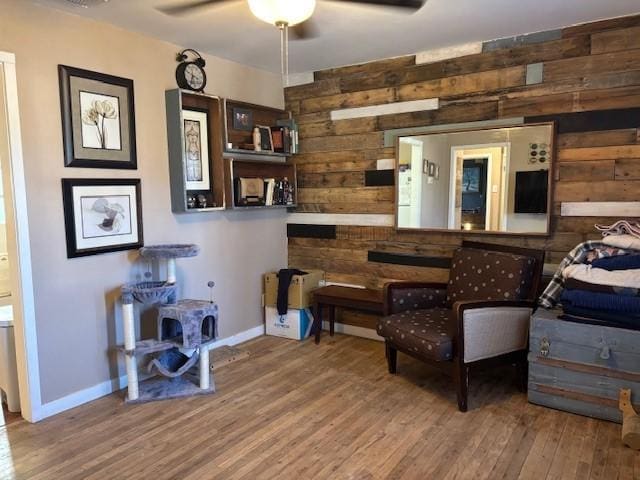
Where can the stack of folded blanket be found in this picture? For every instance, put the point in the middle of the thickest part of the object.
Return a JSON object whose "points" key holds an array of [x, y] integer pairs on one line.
{"points": [[600, 280]]}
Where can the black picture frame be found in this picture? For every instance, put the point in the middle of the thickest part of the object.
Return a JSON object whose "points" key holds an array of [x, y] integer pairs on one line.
{"points": [[75, 83], [242, 119], [266, 140], [71, 216]]}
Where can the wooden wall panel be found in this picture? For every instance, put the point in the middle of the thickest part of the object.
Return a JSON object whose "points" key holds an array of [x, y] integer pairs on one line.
{"points": [[593, 68]]}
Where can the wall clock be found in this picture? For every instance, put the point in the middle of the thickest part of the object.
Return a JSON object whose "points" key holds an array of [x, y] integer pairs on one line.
{"points": [[190, 74]]}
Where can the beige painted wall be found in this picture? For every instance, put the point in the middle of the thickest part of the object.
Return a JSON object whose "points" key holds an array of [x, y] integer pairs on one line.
{"points": [[76, 299]]}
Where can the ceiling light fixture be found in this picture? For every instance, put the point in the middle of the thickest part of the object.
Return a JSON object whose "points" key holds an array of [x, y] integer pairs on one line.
{"points": [[290, 12], [283, 14]]}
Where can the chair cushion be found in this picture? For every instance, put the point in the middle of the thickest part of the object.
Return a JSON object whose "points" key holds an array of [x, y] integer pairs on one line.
{"points": [[425, 332], [487, 275], [417, 298]]}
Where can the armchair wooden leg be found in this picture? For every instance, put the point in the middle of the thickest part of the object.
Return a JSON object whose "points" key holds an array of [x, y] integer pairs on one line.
{"points": [[392, 357], [461, 374]]}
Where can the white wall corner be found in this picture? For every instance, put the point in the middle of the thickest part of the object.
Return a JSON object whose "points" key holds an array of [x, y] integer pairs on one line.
{"points": [[301, 78], [446, 53]]}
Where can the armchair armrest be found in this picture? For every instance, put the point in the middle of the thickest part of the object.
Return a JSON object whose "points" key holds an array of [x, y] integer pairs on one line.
{"points": [[403, 296], [491, 328]]}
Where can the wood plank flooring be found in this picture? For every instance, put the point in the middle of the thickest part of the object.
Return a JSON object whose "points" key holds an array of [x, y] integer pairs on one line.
{"points": [[294, 410]]}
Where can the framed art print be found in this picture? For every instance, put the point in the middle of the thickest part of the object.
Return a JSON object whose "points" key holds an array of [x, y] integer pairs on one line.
{"points": [[242, 119], [101, 215], [98, 119], [196, 149]]}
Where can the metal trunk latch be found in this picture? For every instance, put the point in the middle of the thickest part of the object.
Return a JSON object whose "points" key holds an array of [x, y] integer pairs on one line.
{"points": [[544, 347]]}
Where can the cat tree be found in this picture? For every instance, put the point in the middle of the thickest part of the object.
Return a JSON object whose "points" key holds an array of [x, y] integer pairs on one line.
{"points": [[186, 329]]}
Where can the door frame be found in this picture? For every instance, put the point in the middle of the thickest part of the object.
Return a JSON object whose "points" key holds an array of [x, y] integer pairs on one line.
{"points": [[19, 248], [506, 146]]}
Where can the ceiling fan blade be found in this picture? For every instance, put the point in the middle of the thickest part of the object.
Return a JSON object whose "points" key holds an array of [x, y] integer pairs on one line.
{"points": [[305, 30], [185, 8], [409, 4]]}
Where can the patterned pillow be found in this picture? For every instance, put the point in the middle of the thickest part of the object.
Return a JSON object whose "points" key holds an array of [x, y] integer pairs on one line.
{"points": [[486, 275]]}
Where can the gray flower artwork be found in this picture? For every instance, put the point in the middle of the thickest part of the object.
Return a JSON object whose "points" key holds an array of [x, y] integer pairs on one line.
{"points": [[105, 216], [100, 121]]}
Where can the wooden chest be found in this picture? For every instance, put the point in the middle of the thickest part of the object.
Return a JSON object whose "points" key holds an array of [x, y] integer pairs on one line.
{"points": [[581, 368]]}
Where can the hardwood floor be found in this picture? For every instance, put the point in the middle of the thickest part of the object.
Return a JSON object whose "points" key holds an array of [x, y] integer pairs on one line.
{"points": [[295, 410]]}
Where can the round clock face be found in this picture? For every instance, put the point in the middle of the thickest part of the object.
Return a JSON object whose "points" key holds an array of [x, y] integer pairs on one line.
{"points": [[194, 76]]}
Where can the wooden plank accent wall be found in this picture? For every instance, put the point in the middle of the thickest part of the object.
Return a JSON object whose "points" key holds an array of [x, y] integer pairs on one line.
{"points": [[592, 68]]}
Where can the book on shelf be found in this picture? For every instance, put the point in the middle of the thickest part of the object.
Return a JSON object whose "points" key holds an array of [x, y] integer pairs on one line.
{"points": [[270, 186]]}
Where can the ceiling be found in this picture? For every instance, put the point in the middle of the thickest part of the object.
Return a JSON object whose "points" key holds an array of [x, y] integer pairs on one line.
{"points": [[348, 33]]}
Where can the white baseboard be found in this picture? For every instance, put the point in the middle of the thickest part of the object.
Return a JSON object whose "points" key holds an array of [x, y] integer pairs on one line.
{"points": [[105, 388], [355, 331]]}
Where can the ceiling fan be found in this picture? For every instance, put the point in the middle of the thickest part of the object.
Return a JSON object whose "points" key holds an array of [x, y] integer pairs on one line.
{"points": [[286, 15]]}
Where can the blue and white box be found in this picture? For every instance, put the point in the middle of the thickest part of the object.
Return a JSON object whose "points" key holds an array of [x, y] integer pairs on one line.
{"points": [[296, 324]]}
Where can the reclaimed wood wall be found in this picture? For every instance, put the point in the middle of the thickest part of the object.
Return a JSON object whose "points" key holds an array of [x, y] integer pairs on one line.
{"points": [[590, 85]]}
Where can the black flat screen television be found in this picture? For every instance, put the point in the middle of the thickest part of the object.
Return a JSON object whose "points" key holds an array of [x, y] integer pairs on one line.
{"points": [[531, 191]]}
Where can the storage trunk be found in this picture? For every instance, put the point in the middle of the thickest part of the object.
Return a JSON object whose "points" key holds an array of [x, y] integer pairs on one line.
{"points": [[581, 368]]}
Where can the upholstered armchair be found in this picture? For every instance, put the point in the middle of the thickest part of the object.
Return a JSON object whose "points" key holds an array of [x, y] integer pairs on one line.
{"points": [[479, 318]]}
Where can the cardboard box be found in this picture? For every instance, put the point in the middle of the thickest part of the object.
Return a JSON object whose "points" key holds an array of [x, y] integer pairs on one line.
{"points": [[299, 290], [296, 324]]}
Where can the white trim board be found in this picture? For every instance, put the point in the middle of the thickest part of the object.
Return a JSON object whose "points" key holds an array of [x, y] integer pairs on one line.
{"points": [[106, 388], [369, 333], [19, 247], [446, 53], [353, 219], [302, 78], [386, 109], [386, 164], [600, 209]]}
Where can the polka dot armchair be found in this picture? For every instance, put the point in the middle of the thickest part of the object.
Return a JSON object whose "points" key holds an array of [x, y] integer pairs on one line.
{"points": [[480, 316]]}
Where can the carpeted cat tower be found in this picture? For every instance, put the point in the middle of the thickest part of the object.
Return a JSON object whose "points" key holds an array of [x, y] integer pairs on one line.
{"points": [[186, 329]]}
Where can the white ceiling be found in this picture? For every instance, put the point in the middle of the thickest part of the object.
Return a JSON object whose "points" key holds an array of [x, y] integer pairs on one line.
{"points": [[349, 33]]}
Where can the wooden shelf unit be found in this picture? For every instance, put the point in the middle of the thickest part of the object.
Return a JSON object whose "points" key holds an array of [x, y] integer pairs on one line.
{"points": [[226, 164], [264, 116], [236, 168], [176, 102]]}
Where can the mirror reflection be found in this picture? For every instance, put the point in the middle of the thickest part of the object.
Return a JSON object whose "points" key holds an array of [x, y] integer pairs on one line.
{"points": [[494, 180]]}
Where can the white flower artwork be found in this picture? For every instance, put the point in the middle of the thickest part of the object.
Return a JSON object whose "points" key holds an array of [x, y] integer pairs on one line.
{"points": [[100, 121]]}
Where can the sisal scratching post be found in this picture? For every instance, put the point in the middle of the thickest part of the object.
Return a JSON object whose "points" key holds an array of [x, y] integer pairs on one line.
{"points": [[630, 421]]}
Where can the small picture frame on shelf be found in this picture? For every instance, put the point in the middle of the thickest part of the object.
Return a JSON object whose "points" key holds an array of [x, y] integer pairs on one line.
{"points": [[98, 119], [196, 149], [101, 215], [266, 140], [242, 119]]}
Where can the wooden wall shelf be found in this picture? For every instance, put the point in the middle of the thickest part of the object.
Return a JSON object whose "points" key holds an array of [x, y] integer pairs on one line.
{"points": [[236, 168], [177, 102], [225, 164]]}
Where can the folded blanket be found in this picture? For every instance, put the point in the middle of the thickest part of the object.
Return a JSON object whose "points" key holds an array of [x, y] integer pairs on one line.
{"points": [[573, 284], [621, 227], [579, 254], [601, 317], [600, 301], [622, 262], [605, 252], [616, 278], [622, 241]]}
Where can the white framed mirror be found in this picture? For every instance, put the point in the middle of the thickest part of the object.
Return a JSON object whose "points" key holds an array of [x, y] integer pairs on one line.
{"points": [[492, 180]]}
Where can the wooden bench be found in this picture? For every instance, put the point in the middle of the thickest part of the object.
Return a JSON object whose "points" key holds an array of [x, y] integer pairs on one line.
{"points": [[334, 296]]}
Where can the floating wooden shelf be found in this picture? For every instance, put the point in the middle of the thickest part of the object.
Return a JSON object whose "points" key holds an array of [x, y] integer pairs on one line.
{"points": [[235, 168], [226, 163], [177, 101]]}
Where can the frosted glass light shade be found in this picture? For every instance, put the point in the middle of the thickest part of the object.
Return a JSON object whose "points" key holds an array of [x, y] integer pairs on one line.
{"points": [[290, 12]]}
